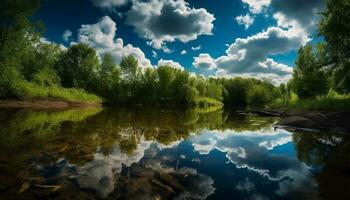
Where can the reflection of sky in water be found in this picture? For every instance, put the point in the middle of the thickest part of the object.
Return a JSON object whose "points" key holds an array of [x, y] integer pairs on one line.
{"points": [[256, 156], [246, 165]]}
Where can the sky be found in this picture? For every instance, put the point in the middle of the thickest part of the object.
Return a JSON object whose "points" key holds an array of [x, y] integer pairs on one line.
{"points": [[221, 38]]}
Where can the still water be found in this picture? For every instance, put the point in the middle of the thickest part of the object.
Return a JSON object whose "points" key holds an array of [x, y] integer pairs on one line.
{"points": [[97, 153]]}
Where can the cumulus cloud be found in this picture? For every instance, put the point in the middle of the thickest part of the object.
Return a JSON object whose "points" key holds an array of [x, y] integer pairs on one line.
{"points": [[109, 3], [204, 61], [183, 52], [196, 48], [44, 40], [249, 150], [101, 36], [245, 20], [99, 174], [297, 13], [250, 56], [257, 6], [162, 21], [170, 63], [67, 34]]}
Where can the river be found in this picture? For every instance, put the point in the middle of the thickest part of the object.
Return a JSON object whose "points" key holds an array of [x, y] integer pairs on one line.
{"points": [[96, 153]]}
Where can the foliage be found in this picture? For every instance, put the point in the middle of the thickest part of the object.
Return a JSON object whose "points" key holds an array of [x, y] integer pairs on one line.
{"points": [[28, 90], [33, 68], [76, 67], [333, 101], [335, 28], [309, 80]]}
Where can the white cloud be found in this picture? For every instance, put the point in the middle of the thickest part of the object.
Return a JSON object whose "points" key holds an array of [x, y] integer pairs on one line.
{"points": [[250, 56], [101, 36], [257, 6], [196, 48], [300, 14], [204, 61], [163, 21], [44, 40], [170, 63], [183, 52], [99, 174], [67, 34], [245, 20], [249, 150], [154, 54], [109, 3]]}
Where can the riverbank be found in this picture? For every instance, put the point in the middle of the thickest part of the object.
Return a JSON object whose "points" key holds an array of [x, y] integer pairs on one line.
{"points": [[46, 104], [337, 122]]}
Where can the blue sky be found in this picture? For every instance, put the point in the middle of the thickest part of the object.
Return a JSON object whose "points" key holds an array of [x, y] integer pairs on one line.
{"points": [[249, 38]]}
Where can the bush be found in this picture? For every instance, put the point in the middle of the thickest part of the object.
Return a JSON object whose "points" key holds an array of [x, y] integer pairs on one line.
{"points": [[205, 102], [330, 102], [27, 90], [259, 96]]}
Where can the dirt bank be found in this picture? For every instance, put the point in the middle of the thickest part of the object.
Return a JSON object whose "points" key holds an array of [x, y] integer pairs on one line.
{"points": [[326, 121], [38, 104]]}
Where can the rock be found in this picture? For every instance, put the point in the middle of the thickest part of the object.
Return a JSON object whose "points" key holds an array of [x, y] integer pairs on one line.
{"points": [[337, 122], [298, 122]]}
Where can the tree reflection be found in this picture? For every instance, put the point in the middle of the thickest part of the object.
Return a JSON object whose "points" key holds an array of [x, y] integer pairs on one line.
{"points": [[329, 154], [98, 141]]}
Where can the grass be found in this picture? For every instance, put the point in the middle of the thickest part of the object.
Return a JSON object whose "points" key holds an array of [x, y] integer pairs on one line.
{"points": [[330, 102], [208, 103], [27, 90]]}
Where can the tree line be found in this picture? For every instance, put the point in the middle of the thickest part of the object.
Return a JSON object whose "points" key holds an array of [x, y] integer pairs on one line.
{"points": [[32, 68]]}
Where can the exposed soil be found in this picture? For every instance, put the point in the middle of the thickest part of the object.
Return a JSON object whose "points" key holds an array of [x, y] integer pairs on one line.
{"points": [[38, 104]]}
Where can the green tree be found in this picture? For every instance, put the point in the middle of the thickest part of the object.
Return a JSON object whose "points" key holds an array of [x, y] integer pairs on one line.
{"points": [[335, 28], [131, 74], [149, 86], [235, 92], [309, 78], [109, 77], [17, 33], [39, 57], [259, 96], [166, 77], [77, 66]]}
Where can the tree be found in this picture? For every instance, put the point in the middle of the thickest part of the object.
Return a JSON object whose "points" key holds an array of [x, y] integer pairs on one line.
{"points": [[166, 76], [309, 78], [17, 33], [335, 28], [259, 95], [235, 92], [108, 78], [77, 66], [149, 86], [39, 57], [131, 74]]}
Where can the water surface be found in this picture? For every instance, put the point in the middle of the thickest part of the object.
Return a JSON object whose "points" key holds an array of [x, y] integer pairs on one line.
{"points": [[96, 153]]}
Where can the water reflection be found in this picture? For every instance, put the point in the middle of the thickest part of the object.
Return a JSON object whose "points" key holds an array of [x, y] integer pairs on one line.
{"points": [[165, 154]]}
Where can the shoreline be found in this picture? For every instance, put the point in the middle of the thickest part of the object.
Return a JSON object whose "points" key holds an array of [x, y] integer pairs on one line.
{"points": [[299, 120], [46, 104], [310, 121]]}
